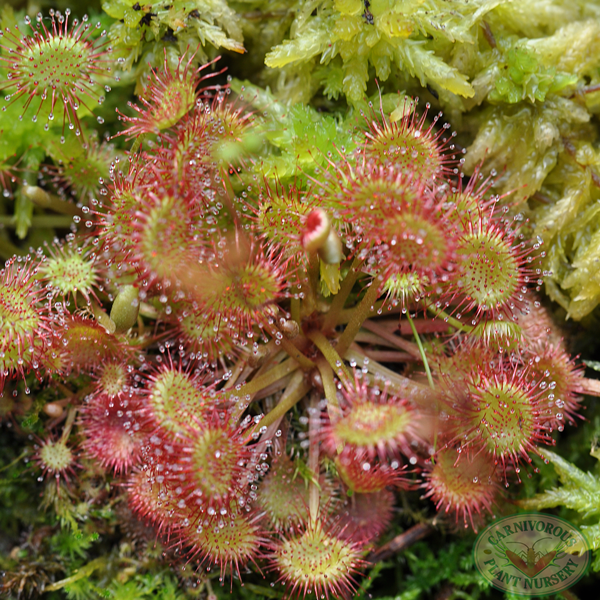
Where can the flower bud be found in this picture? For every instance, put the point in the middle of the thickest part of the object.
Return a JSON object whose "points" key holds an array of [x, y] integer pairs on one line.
{"points": [[125, 308], [317, 230]]}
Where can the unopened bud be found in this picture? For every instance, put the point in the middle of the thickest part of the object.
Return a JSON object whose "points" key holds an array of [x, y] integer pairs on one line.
{"points": [[125, 308], [316, 230], [331, 252], [52, 409]]}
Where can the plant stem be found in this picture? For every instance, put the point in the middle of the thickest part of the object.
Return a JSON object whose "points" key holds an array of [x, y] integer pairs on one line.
{"points": [[313, 459], [332, 316], [295, 309], [421, 351], [330, 353], [10, 464], [438, 312], [85, 571], [235, 373], [419, 393], [309, 301], [346, 314], [591, 387], [297, 388], [271, 376], [40, 221], [389, 356], [359, 315], [292, 350], [42, 198], [69, 424], [328, 383], [401, 542], [393, 339]]}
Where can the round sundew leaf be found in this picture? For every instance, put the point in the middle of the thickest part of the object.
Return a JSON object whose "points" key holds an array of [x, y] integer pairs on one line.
{"points": [[318, 561], [88, 345], [169, 95], [489, 269], [69, 271], [374, 190], [283, 494], [408, 149], [82, 166], [463, 486], [241, 285], [506, 419], [282, 218], [230, 541], [215, 460], [19, 318], [560, 381], [177, 98], [365, 476], [206, 332], [250, 288], [113, 378], [370, 425], [413, 241], [151, 501], [175, 401], [56, 66], [22, 321], [164, 237], [56, 457], [405, 287], [408, 143], [121, 215], [365, 517], [111, 443]]}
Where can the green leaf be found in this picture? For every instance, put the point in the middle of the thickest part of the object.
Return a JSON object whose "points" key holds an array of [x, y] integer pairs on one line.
{"points": [[430, 69], [580, 491]]}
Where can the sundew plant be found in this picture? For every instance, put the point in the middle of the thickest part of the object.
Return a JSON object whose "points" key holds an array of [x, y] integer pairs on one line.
{"points": [[291, 293]]}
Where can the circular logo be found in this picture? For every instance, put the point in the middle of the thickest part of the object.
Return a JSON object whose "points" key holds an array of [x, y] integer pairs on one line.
{"points": [[531, 554]]}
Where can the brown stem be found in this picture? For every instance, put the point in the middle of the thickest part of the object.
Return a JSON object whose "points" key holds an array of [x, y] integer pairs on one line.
{"points": [[292, 350], [389, 356], [401, 542], [420, 394], [313, 458], [393, 339], [346, 314], [591, 387], [367, 337], [235, 373]]}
